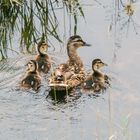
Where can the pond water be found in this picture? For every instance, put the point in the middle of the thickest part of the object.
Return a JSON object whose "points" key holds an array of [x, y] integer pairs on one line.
{"points": [[114, 115]]}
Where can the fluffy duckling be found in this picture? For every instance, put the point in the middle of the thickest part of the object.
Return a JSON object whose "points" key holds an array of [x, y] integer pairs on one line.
{"points": [[98, 81], [62, 73], [42, 58], [72, 73], [32, 78]]}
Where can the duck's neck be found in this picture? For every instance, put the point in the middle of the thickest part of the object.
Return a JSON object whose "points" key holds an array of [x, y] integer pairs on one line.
{"points": [[72, 52], [74, 59], [42, 54], [97, 71]]}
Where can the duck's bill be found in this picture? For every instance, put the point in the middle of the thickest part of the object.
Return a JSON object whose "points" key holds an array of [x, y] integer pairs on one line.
{"points": [[86, 44], [105, 64]]}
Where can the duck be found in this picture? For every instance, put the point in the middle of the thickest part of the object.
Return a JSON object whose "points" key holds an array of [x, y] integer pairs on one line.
{"points": [[62, 72], [97, 81], [43, 60], [32, 79], [70, 74]]}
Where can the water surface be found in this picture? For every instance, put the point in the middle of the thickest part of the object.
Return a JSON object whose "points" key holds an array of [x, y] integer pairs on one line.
{"points": [[114, 114]]}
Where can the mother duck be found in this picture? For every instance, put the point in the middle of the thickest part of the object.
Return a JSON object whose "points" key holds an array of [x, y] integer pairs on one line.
{"points": [[71, 74]]}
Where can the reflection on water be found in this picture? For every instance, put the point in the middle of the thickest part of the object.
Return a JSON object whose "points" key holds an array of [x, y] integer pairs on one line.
{"points": [[64, 96], [26, 115]]}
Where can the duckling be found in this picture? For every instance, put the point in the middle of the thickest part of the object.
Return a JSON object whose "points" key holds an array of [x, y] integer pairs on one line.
{"points": [[32, 78], [72, 73], [42, 58], [58, 79], [62, 73], [97, 81]]}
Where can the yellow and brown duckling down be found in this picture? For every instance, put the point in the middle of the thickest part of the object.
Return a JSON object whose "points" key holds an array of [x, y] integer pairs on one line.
{"points": [[97, 81], [42, 58], [70, 74], [32, 78], [62, 73]]}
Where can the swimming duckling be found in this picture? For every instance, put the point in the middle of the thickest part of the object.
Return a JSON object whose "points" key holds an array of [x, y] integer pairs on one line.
{"points": [[32, 78], [98, 81], [62, 73], [72, 73], [42, 58]]}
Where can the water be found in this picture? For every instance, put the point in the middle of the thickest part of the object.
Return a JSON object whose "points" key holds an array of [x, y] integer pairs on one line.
{"points": [[27, 115], [114, 114]]}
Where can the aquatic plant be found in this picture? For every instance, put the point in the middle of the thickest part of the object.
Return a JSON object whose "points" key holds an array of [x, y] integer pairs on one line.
{"points": [[32, 20]]}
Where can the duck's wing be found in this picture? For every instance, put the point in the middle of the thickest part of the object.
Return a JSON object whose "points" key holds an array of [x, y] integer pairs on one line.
{"points": [[27, 82], [76, 79], [31, 81], [89, 77]]}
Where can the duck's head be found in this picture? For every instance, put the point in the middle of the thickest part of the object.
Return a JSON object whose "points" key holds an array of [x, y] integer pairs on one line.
{"points": [[42, 48], [97, 64], [76, 41], [59, 71], [63, 67], [32, 66]]}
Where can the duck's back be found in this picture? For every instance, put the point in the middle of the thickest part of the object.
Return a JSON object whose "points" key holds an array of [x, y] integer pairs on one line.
{"points": [[44, 64], [32, 80]]}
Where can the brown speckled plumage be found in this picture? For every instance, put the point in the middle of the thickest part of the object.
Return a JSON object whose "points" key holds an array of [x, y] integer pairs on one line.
{"points": [[97, 81], [73, 73], [32, 78], [42, 58]]}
